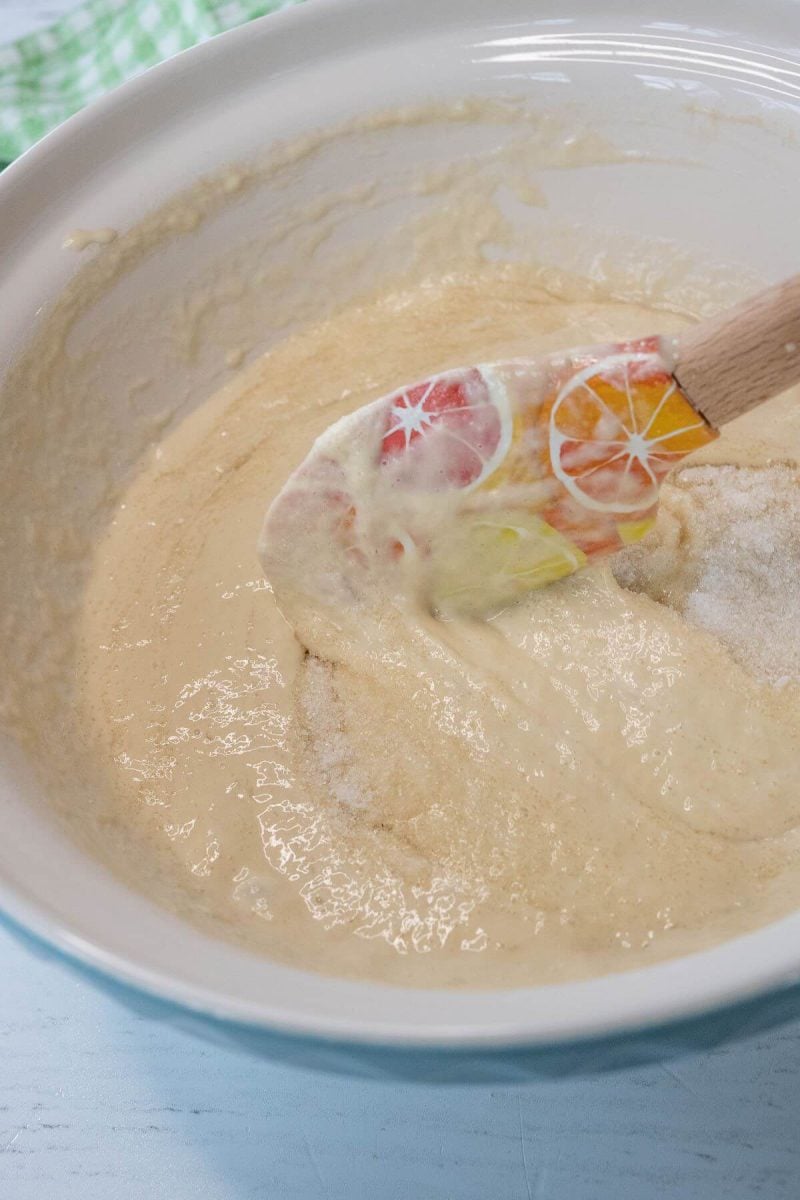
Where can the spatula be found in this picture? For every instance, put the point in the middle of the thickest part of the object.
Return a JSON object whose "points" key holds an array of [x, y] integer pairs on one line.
{"points": [[482, 483]]}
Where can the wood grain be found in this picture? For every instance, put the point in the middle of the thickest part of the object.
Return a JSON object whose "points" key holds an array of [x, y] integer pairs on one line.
{"points": [[732, 363], [99, 1104]]}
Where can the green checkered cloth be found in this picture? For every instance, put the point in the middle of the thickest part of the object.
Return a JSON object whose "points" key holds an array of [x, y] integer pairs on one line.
{"points": [[47, 76]]}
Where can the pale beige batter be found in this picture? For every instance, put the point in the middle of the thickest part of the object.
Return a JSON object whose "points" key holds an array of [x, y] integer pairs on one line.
{"points": [[589, 782]]}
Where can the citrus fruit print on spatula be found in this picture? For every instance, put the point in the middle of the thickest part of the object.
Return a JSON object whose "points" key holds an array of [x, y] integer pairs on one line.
{"points": [[471, 488], [480, 484]]}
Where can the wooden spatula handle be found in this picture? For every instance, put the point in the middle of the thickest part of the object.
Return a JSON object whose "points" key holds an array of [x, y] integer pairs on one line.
{"points": [[728, 365]]}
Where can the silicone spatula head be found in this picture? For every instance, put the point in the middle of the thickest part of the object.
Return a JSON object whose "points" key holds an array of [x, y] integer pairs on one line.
{"points": [[480, 484]]}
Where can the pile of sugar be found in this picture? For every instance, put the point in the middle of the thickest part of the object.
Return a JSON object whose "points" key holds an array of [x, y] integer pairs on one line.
{"points": [[726, 555]]}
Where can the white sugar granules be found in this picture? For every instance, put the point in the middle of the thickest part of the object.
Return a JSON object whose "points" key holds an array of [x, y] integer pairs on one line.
{"points": [[726, 556], [329, 744]]}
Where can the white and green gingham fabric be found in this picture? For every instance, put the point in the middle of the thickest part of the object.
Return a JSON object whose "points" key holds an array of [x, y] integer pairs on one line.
{"points": [[49, 75]]}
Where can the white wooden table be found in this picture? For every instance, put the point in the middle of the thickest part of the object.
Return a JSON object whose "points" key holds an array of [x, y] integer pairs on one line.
{"points": [[98, 1104]]}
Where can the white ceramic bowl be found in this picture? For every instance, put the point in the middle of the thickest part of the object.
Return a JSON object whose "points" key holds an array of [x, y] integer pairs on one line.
{"points": [[653, 85]]}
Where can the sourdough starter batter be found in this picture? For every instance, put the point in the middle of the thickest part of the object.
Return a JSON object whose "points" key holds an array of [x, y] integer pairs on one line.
{"points": [[590, 781]]}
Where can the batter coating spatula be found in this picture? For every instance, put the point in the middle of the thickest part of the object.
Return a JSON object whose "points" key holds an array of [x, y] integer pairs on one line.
{"points": [[482, 483]]}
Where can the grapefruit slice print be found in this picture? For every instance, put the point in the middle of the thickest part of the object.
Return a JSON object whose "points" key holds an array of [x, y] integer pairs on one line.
{"points": [[616, 428], [451, 431]]}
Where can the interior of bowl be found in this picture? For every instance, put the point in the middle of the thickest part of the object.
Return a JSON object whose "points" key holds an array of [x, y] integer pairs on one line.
{"points": [[300, 141]]}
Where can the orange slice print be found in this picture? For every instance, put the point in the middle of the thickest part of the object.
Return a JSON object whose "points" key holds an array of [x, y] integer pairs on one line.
{"points": [[616, 428]]}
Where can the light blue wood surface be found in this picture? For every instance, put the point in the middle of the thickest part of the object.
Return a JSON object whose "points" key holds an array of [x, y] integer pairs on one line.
{"points": [[98, 1104]]}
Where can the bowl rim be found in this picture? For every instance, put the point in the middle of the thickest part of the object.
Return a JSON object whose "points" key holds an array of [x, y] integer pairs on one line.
{"points": [[662, 1012], [739, 970]]}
